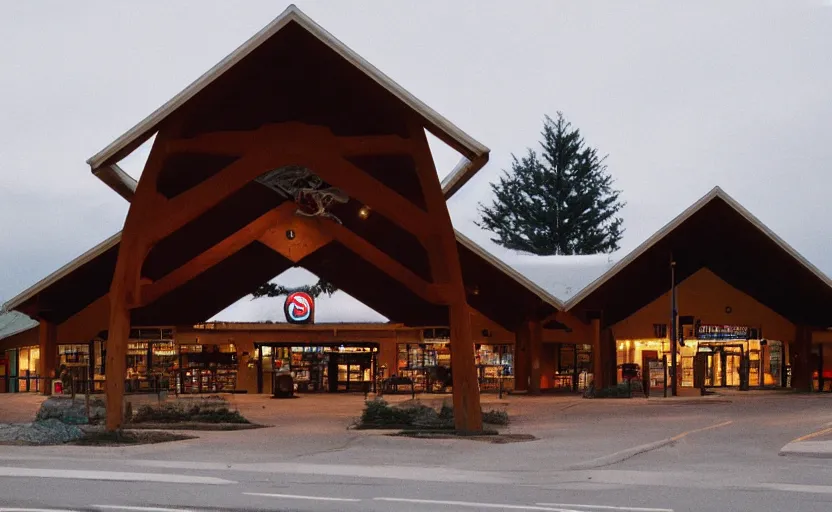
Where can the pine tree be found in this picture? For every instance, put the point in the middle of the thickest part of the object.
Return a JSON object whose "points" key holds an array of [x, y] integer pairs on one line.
{"points": [[560, 201], [276, 290]]}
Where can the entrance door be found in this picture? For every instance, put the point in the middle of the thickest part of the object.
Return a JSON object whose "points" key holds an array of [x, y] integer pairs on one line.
{"points": [[713, 375], [352, 370], [723, 367], [4, 375], [732, 369], [646, 357]]}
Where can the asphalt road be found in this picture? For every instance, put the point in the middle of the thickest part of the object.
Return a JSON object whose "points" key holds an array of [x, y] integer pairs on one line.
{"points": [[591, 456]]}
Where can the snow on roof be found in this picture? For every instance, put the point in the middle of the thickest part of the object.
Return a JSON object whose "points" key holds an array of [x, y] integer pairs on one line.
{"points": [[13, 322], [561, 276]]}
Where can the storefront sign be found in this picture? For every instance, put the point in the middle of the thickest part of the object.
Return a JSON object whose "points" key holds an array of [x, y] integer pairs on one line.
{"points": [[299, 308], [721, 332]]}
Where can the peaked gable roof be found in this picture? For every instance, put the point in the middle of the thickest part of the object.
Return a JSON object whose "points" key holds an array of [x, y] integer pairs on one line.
{"points": [[92, 273], [12, 322], [474, 154], [759, 263]]}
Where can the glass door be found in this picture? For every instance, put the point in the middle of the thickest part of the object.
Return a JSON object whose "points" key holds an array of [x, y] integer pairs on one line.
{"points": [[732, 368]]}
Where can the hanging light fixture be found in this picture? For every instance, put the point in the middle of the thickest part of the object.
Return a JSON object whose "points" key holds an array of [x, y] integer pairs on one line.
{"points": [[364, 212]]}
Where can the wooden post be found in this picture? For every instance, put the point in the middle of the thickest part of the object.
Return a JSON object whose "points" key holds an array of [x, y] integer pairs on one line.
{"points": [[598, 355], [801, 356], [447, 272], [521, 357], [116, 370], [535, 330], [48, 343]]}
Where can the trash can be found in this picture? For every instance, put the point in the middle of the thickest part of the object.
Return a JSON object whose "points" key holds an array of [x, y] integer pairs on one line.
{"points": [[284, 386]]}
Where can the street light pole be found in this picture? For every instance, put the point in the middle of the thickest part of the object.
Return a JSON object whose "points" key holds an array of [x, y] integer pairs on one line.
{"points": [[673, 315]]}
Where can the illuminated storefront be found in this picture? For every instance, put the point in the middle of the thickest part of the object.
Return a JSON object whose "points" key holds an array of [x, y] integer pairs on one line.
{"points": [[721, 348], [21, 369], [329, 367]]}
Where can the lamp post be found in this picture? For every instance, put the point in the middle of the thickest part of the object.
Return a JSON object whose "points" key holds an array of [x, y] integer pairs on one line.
{"points": [[673, 341]]}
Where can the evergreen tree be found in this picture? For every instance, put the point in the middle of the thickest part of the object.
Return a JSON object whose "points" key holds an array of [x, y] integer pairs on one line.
{"points": [[560, 201], [276, 290]]}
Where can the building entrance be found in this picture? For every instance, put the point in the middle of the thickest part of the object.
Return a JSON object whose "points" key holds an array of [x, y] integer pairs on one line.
{"points": [[325, 367], [722, 367]]}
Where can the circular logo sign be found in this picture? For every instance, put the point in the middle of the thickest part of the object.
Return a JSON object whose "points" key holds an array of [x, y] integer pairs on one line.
{"points": [[299, 307]]}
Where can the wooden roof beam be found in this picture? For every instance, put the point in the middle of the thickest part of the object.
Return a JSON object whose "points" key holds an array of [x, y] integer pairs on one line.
{"points": [[219, 252], [307, 237], [433, 293], [275, 146]]}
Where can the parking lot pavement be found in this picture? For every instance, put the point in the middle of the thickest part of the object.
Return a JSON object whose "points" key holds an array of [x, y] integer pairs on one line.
{"points": [[571, 432], [19, 407]]}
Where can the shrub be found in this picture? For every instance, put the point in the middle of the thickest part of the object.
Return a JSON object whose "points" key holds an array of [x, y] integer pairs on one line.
{"points": [[379, 414], [622, 390], [178, 413], [495, 417]]}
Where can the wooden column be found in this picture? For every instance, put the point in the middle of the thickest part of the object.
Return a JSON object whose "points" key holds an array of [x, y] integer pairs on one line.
{"points": [[801, 351], [609, 357], [48, 343], [598, 354], [522, 358], [535, 348], [447, 273]]}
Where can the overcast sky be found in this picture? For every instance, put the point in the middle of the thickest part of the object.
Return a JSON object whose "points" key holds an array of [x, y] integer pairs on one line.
{"points": [[682, 96]]}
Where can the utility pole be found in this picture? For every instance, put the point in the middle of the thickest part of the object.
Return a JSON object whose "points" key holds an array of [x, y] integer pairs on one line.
{"points": [[673, 315]]}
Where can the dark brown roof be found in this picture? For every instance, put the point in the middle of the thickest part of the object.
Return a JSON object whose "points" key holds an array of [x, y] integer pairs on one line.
{"points": [[716, 233]]}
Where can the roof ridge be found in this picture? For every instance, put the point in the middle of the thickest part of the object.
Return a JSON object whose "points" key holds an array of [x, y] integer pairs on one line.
{"points": [[713, 193], [475, 154]]}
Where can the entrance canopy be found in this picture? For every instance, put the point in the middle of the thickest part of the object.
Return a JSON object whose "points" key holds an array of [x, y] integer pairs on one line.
{"points": [[294, 70], [494, 289], [716, 233], [223, 218]]}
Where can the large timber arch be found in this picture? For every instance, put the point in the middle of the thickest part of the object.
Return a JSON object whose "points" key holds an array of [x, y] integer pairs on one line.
{"points": [[206, 208]]}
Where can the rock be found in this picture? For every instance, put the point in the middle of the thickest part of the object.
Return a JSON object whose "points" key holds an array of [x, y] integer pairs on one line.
{"points": [[50, 431], [70, 411]]}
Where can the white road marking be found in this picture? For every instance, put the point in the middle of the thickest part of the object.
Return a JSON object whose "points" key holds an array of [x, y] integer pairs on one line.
{"points": [[6, 509], [607, 507], [141, 509], [81, 474], [818, 489], [418, 473], [299, 497], [471, 504]]}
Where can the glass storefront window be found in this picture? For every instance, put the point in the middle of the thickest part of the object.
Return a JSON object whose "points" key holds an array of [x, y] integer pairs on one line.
{"points": [[164, 358], [722, 359], [27, 368], [74, 355], [137, 359]]}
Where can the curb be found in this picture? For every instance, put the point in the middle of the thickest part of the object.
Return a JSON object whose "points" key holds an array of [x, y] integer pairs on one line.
{"points": [[686, 401], [805, 449], [615, 458]]}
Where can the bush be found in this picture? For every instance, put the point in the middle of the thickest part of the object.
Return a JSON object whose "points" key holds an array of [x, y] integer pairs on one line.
{"points": [[179, 413], [379, 414], [495, 417], [622, 390]]}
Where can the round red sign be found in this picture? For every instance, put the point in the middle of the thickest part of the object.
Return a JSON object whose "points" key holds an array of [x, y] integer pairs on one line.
{"points": [[299, 307]]}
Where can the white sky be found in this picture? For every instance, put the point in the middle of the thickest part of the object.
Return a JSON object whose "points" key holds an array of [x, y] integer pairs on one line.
{"points": [[683, 96]]}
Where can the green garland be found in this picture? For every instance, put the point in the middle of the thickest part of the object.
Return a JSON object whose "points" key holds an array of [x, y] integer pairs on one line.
{"points": [[276, 290]]}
